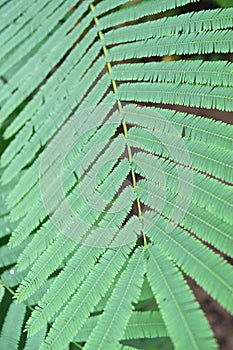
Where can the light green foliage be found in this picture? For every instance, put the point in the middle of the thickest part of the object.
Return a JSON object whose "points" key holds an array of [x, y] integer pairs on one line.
{"points": [[113, 190], [11, 329]]}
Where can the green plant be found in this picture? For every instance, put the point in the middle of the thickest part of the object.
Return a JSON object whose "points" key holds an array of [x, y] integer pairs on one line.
{"points": [[87, 78]]}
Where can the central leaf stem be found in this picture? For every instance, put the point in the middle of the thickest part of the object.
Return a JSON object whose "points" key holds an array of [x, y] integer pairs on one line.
{"points": [[124, 125]]}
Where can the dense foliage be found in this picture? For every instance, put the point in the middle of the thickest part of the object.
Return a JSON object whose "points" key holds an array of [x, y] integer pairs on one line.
{"points": [[111, 195]]}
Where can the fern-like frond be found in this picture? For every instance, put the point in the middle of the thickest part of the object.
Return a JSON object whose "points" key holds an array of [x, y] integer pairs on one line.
{"points": [[45, 266], [139, 10], [205, 191], [175, 298], [197, 220], [80, 264], [26, 226], [190, 72], [12, 327], [39, 243], [203, 157], [68, 281], [180, 124], [45, 63], [105, 183], [147, 324], [24, 41], [99, 280], [33, 342], [193, 43], [45, 132], [167, 26], [115, 149], [11, 14], [208, 269], [119, 307], [182, 94], [9, 256]]}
